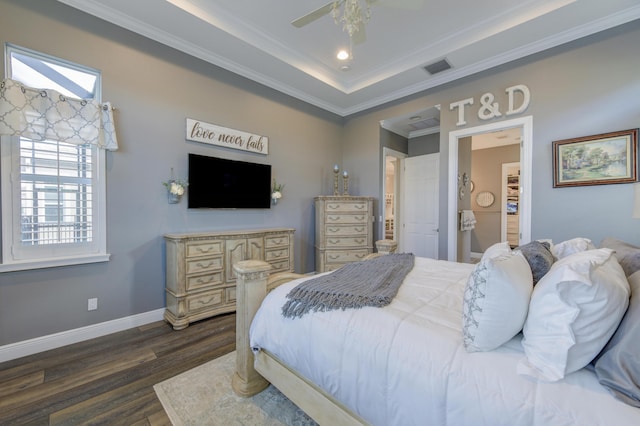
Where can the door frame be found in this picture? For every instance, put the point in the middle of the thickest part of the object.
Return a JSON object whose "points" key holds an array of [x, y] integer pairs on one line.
{"points": [[526, 125], [397, 202]]}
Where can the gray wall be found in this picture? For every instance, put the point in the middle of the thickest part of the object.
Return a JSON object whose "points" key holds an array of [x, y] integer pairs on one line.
{"points": [[155, 89], [585, 88], [424, 145]]}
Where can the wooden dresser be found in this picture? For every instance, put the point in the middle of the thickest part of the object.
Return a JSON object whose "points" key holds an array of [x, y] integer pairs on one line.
{"points": [[344, 230], [200, 279]]}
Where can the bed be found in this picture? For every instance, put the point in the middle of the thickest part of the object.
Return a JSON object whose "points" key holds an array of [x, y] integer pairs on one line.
{"points": [[408, 363]]}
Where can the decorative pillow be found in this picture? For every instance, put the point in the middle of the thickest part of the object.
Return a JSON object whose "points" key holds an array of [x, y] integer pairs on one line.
{"points": [[539, 257], [572, 246], [496, 300], [575, 309], [627, 254], [618, 365], [497, 249]]}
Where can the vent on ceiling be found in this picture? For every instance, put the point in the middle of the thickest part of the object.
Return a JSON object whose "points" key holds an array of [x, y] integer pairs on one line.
{"points": [[436, 67], [426, 123]]}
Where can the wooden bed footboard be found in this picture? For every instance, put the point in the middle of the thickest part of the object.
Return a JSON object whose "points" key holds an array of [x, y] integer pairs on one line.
{"points": [[252, 287], [253, 374]]}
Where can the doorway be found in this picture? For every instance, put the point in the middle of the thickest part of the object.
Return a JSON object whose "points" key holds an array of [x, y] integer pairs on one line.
{"points": [[524, 206], [391, 185], [509, 212]]}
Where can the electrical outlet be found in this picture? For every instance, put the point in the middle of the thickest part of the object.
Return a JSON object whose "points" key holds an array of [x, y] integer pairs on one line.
{"points": [[92, 304]]}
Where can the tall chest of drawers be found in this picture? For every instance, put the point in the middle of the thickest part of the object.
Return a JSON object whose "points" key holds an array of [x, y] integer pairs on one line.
{"points": [[344, 230], [200, 280]]}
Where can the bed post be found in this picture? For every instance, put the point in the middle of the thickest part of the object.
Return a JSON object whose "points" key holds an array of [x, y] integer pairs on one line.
{"points": [[386, 246], [251, 289]]}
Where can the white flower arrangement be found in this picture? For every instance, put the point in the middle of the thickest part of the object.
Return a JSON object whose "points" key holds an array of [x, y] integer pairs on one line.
{"points": [[176, 187], [276, 192]]}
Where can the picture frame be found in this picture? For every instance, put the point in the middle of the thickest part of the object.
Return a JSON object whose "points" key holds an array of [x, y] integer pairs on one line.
{"points": [[603, 159]]}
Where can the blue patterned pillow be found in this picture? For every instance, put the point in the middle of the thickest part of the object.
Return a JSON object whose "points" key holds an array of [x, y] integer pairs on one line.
{"points": [[539, 258]]}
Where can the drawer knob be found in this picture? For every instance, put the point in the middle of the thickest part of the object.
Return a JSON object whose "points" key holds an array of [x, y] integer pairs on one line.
{"points": [[203, 281], [207, 250], [201, 265]]}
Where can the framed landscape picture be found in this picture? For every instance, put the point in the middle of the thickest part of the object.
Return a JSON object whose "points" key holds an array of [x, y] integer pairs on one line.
{"points": [[596, 160]]}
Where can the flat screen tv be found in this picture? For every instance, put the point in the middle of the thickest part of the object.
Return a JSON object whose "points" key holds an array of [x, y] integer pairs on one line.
{"points": [[219, 183]]}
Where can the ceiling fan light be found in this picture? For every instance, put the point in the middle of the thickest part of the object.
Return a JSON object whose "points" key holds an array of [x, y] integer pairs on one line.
{"points": [[343, 55]]}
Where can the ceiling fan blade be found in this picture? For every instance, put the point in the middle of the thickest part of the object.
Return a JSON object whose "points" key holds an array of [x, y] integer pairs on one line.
{"points": [[312, 16]]}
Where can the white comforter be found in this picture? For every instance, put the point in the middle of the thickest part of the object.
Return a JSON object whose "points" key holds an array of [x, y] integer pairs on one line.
{"points": [[405, 364]]}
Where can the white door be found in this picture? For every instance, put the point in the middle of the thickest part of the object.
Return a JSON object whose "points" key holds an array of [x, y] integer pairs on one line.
{"points": [[420, 192]]}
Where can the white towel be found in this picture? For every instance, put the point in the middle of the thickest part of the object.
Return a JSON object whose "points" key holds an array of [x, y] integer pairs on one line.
{"points": [[467, 220]]}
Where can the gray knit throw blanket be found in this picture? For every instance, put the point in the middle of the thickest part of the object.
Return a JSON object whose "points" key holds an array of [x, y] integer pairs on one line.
{"points": [[373, 282]]}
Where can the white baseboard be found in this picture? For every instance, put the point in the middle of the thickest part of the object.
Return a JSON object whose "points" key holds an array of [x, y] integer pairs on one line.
{"points": [[57, 340]]}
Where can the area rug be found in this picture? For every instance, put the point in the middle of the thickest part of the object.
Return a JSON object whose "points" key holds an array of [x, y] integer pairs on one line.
{"points": [[203, 396]]}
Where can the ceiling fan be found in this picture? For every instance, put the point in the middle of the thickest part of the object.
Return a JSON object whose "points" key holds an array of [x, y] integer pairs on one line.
{"points": [[353, 14]]}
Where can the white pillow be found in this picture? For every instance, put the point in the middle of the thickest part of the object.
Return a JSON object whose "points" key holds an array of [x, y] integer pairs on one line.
{"points": [[496, 300], [575, 308], [571, 246], [497, 249]]}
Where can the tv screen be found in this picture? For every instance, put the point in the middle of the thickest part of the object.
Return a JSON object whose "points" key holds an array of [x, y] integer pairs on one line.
{"points": [[219, 183]]}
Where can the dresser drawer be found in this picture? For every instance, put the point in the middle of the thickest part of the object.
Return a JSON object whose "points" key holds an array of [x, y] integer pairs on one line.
{"points": [[340, 256], [205, 300], [202, 281], [346, 242], [341, 230], [282, 253], [280, 265], [346, 206], [333, 219], [276, 241], [204, 248], [198, 266]]}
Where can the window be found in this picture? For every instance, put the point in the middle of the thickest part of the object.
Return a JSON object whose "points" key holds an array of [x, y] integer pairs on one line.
{"points": [[53, 193]]}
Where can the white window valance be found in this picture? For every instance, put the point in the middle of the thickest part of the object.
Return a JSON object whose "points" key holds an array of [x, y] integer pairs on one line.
{"points": [[41, 114]]}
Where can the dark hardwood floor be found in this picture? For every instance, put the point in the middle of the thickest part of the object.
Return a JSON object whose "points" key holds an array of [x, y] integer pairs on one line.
{"points": [[108, 380]]}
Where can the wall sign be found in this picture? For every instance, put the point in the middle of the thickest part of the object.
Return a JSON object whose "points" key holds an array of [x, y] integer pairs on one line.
{"points": [[199, 131], [489, 109]]}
